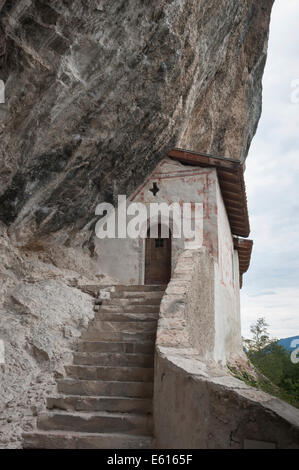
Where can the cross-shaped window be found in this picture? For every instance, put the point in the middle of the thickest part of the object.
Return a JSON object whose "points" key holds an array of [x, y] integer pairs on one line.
{"points": [[154, 189]]}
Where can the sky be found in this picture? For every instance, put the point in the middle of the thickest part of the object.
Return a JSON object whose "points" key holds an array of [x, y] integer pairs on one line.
{"points": [[271, 286]]}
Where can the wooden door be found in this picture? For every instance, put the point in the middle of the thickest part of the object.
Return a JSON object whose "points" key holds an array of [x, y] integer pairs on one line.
{"points": [[157, 259]]}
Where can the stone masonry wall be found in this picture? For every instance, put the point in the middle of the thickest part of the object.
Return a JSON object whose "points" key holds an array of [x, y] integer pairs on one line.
{"points": [[197, 404]]}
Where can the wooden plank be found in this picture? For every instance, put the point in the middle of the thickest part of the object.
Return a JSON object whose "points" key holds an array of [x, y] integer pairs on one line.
{"points": [[240, 228], [234, 203], [203, 160], [244, 248], [234, 211], [236, 217], [229, 176], [230, 187], [157, 260], [232, 195]]}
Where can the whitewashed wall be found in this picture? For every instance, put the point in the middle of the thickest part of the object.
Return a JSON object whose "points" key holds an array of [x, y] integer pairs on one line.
{"points": [[227, 290], [124, 258]]}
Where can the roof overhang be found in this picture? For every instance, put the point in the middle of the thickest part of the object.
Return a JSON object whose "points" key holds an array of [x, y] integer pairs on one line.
{"points": [[244, 248], [231, 181]]}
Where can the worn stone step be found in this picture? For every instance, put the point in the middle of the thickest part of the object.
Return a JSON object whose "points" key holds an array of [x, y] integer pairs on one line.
{"points": [[116, 336], [142, 347], [113, 359], [128, 308], [116, 316], [137, 295], [132, 301], [122, 374], [76, 440], [139, 288], [105, 388], [94, 289], [123, 326], [109, 404], [96, 422]]}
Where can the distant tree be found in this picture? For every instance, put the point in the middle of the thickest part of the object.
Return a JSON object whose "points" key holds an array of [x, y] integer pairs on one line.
{"points": [[260, 336], [274, 362]]}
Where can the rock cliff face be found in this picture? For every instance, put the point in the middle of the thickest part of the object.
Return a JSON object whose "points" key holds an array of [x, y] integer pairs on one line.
{"points": [[97, 92], [42, 313]]}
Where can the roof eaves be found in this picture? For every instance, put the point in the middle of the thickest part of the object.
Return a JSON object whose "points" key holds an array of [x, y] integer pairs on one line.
{"points": [[231, 181]]}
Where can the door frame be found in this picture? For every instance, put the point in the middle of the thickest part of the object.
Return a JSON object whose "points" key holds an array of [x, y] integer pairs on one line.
{"points": [[144, 251]]}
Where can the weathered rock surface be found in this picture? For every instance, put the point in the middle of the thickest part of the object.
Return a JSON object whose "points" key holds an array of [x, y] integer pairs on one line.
{"points": [[42, 313], [97, 92]]}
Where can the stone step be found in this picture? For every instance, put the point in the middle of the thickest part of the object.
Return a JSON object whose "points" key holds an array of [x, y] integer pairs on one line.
{"points": [[76, 440], [115, 316], [105, 388], [95, 288], [142, 347], [129, 295], [113, 359], [96, 422], [109, 404], [121, 374], [123, 327], [132, 301], [138, 288], [109, 308], [116, 336]]}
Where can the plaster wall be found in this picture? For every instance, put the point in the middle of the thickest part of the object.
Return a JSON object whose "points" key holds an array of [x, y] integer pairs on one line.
{"points": [[227, 290], [213, 302], [123, 259]]}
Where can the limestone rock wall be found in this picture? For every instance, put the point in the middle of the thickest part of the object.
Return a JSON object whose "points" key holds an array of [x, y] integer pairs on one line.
{"points": [[97, 92], [42, 313]]}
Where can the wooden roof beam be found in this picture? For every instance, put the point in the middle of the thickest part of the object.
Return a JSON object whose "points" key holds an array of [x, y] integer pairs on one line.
{"points": [[194, 158]]}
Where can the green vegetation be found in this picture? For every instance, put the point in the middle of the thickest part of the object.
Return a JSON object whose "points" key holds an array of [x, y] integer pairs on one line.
{"points": [[260, 336], [243, 375], [274, 363], [277, 374]]}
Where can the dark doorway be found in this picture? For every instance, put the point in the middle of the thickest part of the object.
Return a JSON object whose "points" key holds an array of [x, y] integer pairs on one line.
{"points": [[157, 259]]}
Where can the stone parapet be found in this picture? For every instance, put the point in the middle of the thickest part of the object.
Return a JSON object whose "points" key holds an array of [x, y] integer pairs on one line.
{"points": [[197, 403]]}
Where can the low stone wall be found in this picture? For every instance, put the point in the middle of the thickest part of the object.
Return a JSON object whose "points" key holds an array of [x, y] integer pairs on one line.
{"points": [[197, 404], [191, 290]]}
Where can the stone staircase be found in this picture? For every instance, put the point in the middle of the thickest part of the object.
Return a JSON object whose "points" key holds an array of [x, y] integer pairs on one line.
{"points": [[105, 401]]}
